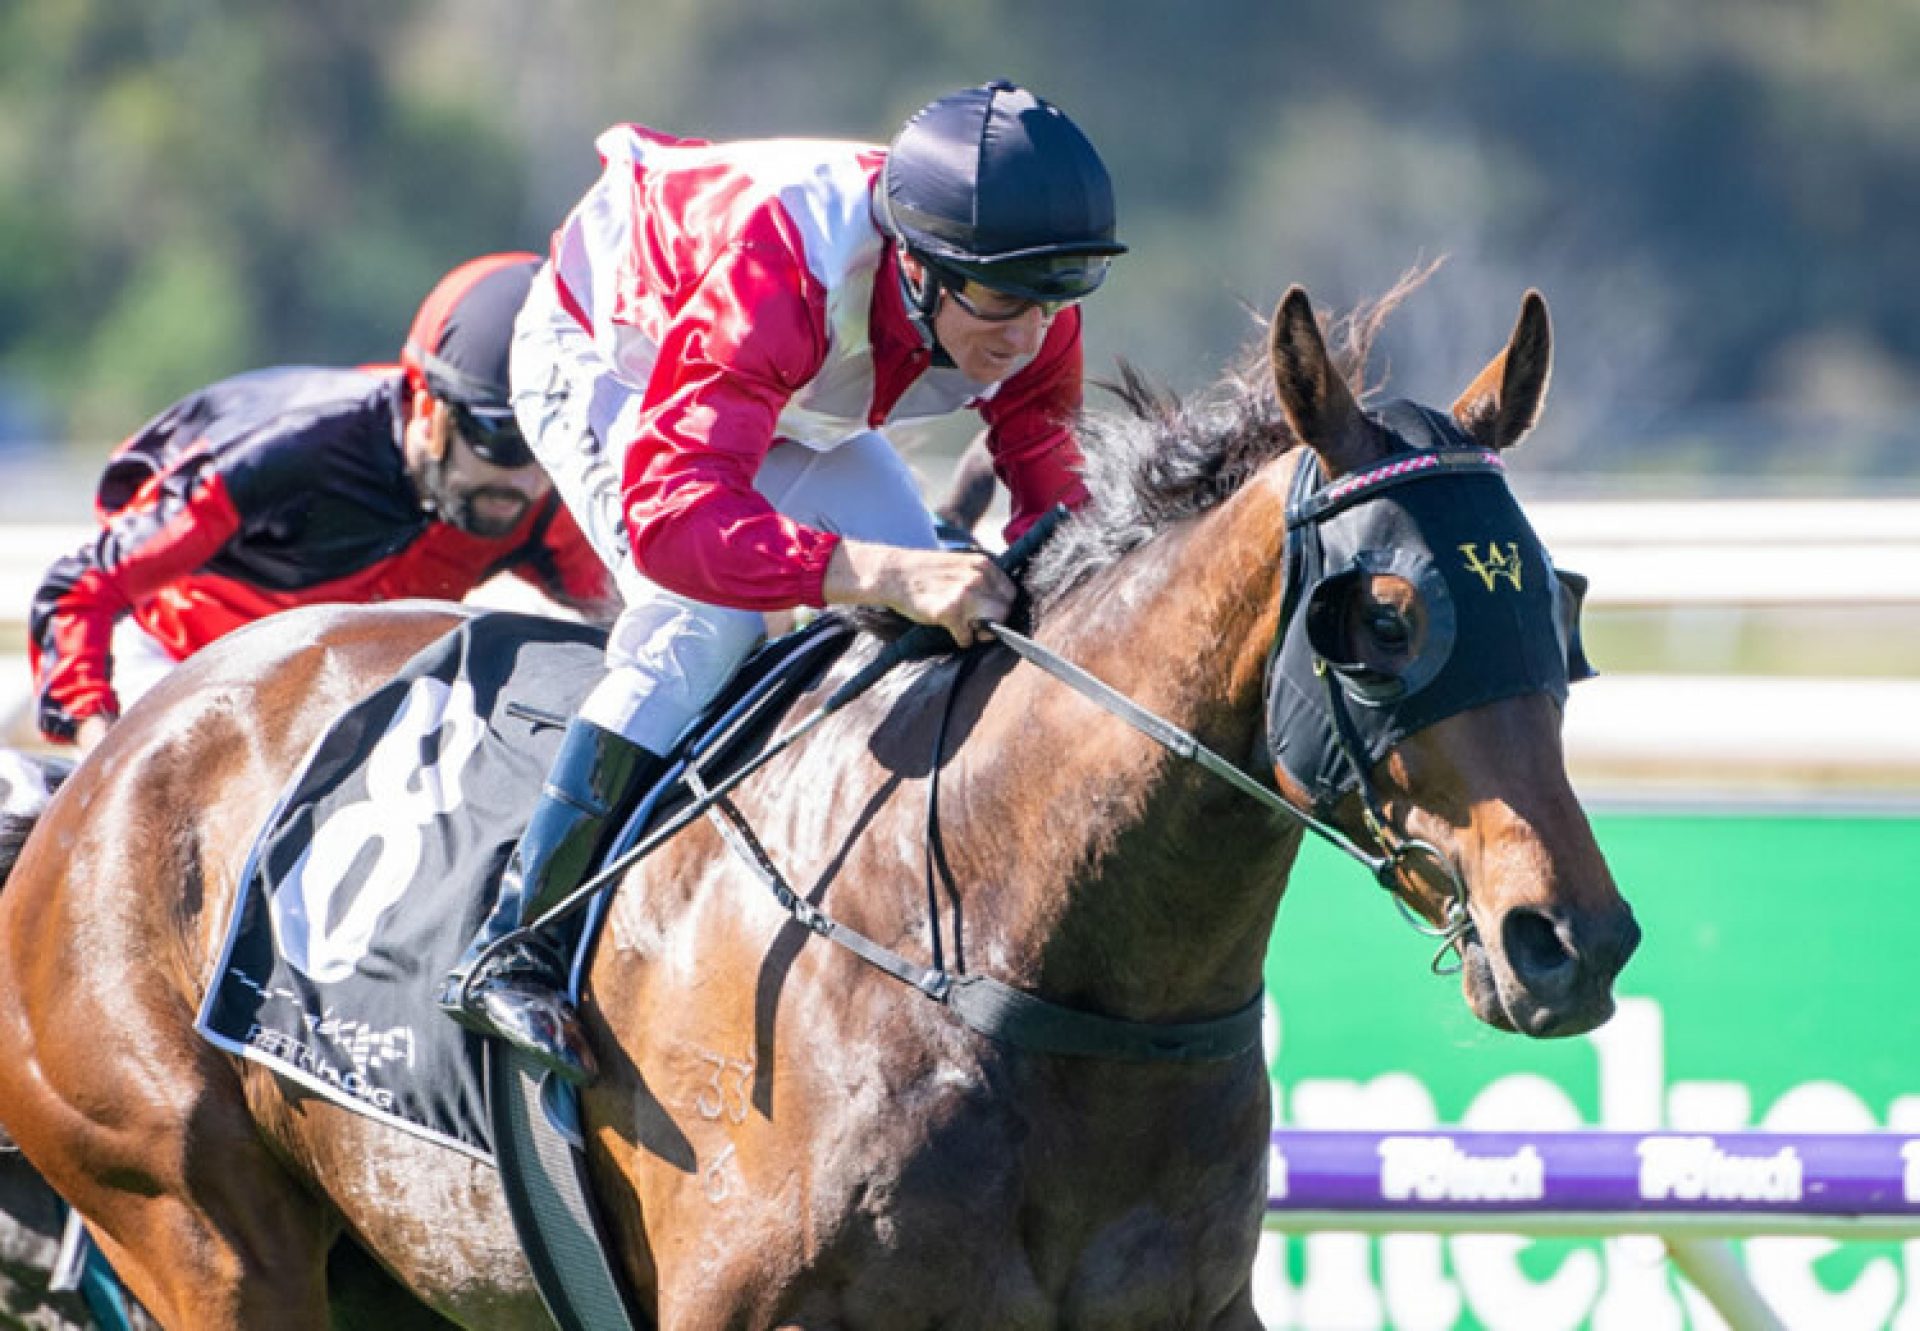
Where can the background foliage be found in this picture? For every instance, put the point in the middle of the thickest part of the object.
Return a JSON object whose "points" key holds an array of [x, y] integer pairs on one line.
{"points": [[1717, 196]]}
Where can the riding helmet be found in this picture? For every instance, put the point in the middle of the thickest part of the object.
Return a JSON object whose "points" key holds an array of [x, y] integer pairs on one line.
{"points": [[458, 348], [995, 185]]}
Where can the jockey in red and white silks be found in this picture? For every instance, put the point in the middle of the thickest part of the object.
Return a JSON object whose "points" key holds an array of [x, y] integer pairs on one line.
{"points": [[704, 368]]}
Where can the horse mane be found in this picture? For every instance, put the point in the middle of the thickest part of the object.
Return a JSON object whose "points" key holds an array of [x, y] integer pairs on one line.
{"points": [[1162, 458]]}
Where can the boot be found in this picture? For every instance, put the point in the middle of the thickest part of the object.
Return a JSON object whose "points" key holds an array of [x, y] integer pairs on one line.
{"points": [[520, 992]]}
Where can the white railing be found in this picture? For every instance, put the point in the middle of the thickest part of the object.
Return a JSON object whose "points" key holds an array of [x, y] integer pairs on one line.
{"points": [[1722, 552], [1738, 552], [1676, 556], [1665, 554]]}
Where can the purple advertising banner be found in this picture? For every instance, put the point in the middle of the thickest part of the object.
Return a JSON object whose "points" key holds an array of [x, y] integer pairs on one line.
{"points": [[1661, 1172]]}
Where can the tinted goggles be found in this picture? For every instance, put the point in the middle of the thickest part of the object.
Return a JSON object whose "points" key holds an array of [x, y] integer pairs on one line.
{"points": [[997, 307], [1010, 288], [493, 436]]}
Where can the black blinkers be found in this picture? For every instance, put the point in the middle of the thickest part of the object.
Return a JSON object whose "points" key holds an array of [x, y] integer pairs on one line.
{"points": [[1479, 613]]}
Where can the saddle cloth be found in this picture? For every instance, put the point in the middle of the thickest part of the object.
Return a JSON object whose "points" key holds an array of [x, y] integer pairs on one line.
{"points": [[379, 861]]}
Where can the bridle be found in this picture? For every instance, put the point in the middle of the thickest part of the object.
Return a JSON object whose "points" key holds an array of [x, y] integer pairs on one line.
{"points": [[1384, 518]]}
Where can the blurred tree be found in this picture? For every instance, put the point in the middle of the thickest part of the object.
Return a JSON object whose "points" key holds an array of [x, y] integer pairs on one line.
{"points": [[1713, 196], [198, 186]]}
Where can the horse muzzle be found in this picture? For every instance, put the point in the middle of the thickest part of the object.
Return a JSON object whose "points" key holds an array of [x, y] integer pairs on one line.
{"points": [[1548, 974]]}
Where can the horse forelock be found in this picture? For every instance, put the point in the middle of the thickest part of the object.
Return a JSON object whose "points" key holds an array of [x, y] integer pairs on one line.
{"points": [[1161, 458]]}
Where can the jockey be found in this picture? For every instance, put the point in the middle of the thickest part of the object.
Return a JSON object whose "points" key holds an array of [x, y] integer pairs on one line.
{"points": [[294, 485], [705, 366]]}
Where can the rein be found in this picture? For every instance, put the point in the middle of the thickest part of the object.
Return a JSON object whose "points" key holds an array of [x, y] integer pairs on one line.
{"points": [[1015, 1017], [1398, 850]]}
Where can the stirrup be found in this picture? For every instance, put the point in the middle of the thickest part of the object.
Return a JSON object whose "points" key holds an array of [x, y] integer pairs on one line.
{"points": [[541, 1026], [531, 956], [519, 996]]}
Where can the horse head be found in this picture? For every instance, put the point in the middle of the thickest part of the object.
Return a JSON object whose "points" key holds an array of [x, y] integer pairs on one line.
{"points": [[1415, 694]]}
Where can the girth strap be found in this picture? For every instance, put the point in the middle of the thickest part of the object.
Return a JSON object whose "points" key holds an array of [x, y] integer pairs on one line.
{"points": [[1005, 1013]]}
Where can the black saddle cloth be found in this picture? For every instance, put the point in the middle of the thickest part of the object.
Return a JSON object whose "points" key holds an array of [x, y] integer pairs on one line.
{"points": [[380, 859]]}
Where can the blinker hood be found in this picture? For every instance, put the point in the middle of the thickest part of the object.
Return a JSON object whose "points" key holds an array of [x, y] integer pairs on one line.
{"points": [[1499, 620]]}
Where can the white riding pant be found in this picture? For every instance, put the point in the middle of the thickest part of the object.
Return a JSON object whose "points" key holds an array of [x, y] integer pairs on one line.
{"points": [[669, 655], [139, 661]]}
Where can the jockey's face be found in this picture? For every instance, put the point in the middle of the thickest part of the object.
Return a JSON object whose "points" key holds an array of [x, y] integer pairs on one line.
{"points": [[460, 486], [987, 349]]}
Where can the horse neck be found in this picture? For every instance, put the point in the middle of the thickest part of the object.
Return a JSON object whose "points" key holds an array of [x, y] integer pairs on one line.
{"points": [[1130, 880]]}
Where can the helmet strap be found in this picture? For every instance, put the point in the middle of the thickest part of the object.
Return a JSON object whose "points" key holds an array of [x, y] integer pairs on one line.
{"points": [[922, 300]]}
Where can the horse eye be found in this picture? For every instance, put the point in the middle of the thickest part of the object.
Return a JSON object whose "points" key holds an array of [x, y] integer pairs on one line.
{"points": [[1389, 627]]}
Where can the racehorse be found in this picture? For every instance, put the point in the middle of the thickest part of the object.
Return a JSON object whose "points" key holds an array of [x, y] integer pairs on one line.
{"points": [[782, 1135]]}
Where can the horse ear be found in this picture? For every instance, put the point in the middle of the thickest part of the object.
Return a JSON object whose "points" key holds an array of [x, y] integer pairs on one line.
{"points": [[1504, 400], [1319, 406]]}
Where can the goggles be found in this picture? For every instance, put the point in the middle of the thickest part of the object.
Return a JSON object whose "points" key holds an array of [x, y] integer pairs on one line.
{"points": [[1055, 280], [997, 307], [494, 436]]}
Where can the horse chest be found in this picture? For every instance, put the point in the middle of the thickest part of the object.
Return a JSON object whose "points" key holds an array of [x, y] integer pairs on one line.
{"points": [[957, 1199], [999, 1212]]}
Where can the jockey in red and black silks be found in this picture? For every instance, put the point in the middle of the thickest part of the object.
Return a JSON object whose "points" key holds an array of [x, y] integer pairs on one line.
{"points": [[298, 485]]}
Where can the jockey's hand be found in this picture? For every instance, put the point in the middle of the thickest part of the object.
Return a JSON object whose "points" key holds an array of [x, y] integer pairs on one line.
{"points": [[958, 591], [90, 731]]}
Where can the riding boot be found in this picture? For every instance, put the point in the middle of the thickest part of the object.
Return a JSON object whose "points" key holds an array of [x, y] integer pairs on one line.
{"points": [[519, 992]]}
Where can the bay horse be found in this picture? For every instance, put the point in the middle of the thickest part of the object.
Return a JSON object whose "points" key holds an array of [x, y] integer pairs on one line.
{"points": [[783, 1136]]}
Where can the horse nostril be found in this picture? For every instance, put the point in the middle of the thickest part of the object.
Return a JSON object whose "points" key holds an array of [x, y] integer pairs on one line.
{"points": [[1539, 957]]}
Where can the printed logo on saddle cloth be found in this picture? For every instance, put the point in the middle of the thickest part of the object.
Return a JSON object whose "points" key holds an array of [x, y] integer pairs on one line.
{"points": [[378, 864]]}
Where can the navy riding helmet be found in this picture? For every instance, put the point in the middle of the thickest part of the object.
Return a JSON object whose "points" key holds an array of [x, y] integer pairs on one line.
{"points": [[994, 185]]}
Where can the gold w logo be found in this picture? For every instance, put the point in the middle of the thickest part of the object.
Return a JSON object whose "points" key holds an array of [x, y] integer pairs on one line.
{"points": [[1498, 563]]}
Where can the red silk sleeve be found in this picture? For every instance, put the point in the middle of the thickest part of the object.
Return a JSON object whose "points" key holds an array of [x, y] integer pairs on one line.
{"points": [[1030, 428], [744, 340]]}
